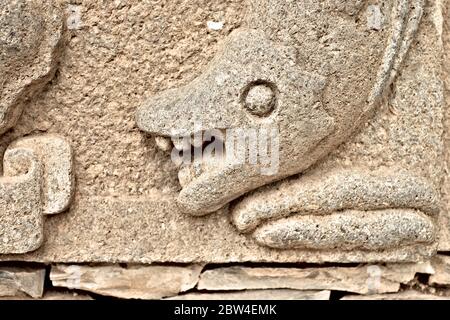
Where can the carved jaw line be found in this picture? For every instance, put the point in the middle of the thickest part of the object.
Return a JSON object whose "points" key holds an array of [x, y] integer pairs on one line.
{"points": [[211, 171]]}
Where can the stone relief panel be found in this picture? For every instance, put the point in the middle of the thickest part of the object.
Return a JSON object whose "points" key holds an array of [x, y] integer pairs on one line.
{"points": [[37, 170], [271, 75], [332, 84]]}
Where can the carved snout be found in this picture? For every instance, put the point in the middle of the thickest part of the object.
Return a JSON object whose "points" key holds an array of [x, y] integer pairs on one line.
{"points": [[239, 88], [183, 111]]}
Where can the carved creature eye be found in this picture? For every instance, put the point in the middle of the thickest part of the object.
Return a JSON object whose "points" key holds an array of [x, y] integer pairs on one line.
{"points": [[259, 98]]}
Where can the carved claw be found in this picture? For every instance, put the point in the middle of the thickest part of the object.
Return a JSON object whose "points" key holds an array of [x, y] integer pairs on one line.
{"points": [[345, 208], [349, 230]]}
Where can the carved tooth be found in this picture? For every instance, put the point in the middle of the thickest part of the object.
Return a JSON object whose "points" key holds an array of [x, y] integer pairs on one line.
{"points": [[187, 173], [185, 176], [163, 143], [197, 168]]}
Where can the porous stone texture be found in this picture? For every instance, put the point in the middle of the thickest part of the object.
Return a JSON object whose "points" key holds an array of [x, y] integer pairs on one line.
{"points": [[382, 229], [444, 243], [311, 114], [121, 56], [21, 218], [113, 216], [375, 18], [370, 279], [341, 189], [21, 282], [30, 36], [258, 295], [132, 282]]}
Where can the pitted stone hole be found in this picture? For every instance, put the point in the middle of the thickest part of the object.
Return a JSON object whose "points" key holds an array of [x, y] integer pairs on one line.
{"points": [[259, 98], [20, 166]]}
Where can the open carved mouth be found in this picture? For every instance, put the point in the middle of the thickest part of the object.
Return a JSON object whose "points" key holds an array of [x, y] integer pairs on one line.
{"points": [[193, 155], [217, 166]]}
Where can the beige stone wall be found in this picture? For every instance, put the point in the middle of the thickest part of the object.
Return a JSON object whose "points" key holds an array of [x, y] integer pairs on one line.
{"points": [[117, 55]]}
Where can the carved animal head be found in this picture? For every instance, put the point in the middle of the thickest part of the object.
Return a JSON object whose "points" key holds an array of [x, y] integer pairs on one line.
{"points": [[312, 70], [30, 32]]}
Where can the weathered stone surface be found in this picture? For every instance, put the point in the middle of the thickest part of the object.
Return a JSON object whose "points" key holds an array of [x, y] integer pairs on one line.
{"points": [[30, 33], [133, 282], [117, 57], [172, 237], [293, 102], [310, 117], [444, 221], [21, 219], [341, 189], [405, 295], [18, 282], [363, 280], [349, 230], [258, 295]]}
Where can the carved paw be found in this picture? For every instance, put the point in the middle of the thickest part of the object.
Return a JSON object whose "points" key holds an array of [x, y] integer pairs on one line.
{"points": [[344, 209]]}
